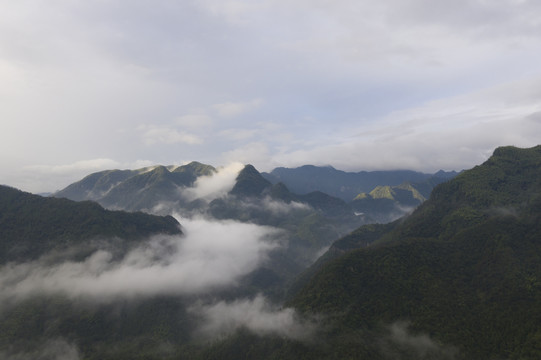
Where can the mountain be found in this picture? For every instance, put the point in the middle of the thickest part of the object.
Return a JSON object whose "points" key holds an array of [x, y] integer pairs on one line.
{"points": [[462, 271], [311, 221], [387, 203], [345, 185], [459, 278], [249, 182], [134, 190], [31, 225]]}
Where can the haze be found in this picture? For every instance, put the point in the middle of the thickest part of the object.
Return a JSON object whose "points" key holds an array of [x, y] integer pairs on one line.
{"points": [[416, 84]]}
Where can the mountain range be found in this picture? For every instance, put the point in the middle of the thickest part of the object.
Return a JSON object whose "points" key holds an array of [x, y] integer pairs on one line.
{"points": [[458, 278], [348, 185], [378, 196]]}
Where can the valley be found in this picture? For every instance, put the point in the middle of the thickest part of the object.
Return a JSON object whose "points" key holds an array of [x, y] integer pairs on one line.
{"points": [[200, 262]]}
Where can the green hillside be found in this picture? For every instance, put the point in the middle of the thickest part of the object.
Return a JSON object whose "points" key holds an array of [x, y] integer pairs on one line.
{"points": [[464, 268], [460, 278], [31, 225], [249, 182], [387, 203], [135, 190], [345, 185]]}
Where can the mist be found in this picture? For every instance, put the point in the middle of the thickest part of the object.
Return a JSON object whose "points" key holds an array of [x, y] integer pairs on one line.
{"points": [[257, 315], [57, 349], [402, 343], [211, 255], [215, 185]]}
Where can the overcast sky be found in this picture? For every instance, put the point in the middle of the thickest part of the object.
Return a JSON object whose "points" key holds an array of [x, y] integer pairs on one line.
{"points": [[360, 85]]}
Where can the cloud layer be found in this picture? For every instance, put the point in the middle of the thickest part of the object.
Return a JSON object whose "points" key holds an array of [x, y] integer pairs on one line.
{"points": [[257, 315], [215, 185], [212, 255], [359, 85]]}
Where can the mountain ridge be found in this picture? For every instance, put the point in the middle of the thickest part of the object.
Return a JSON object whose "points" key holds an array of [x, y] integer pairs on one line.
{"points": [[463, 267], [31, 225], [346, 185]]}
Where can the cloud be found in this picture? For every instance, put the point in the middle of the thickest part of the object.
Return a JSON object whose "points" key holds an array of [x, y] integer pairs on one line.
{"points": [[238, 133], [77, 78], [251, 153], [270, 206], [211, 255], [453, 133], [235, 109], [215, 185], [281, 208], [57, 349], [85, 166], [257, 315], [401, 340], [196, 120], [166, 135], [39, 178]]}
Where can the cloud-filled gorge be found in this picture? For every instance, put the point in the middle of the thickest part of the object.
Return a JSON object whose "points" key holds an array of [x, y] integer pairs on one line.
{"points": [[210, 255]]}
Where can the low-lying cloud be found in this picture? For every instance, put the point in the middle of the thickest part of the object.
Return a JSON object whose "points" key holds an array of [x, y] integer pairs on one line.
{"points": [[215, 185], [211, 255], [57, 349], [400, 340], [281, 208], [257, 315]]}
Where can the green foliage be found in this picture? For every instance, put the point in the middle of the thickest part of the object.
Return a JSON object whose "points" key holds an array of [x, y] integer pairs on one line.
{"points": [[464, 268], [250, 183], [31, 225], [382, 192], [344, 185], [135, 190]]}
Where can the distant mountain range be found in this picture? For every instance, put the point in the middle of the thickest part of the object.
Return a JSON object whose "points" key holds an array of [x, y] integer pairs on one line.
{"points": [[457, 279], [312, 219], [379, 196], [348, 185], [136, 189]]}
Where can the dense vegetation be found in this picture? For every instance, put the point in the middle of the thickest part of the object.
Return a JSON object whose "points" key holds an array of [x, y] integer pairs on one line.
{"points": [[135, 190], [460, 278], [31, 225], [464, 268], [347, 185]]}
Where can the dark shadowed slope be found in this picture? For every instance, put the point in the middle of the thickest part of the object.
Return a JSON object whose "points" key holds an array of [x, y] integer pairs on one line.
{"points": [[345, 185], [140, 189], [464, 268], [31, 225]]}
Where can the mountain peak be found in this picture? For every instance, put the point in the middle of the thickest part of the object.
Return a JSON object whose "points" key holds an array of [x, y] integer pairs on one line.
{"points": [[196, 168], [250, 182]]}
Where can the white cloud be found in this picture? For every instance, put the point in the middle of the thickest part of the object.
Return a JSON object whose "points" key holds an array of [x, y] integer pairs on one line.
{"points": [[57, 349], [282, 208], [196, 120], [256, 315], [83, 166], [215, 185], [76, 79], [235, 109], [401, 340], [452, 133], [251, 153], [210, 255], [42, 178], [238, 134], [166, 135]]}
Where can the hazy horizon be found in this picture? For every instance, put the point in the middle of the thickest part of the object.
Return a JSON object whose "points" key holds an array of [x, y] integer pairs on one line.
{"points": [[397, 84]]}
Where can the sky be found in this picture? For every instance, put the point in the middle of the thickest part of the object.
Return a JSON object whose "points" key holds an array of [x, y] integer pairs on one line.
{"points": [[359, 85]]}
